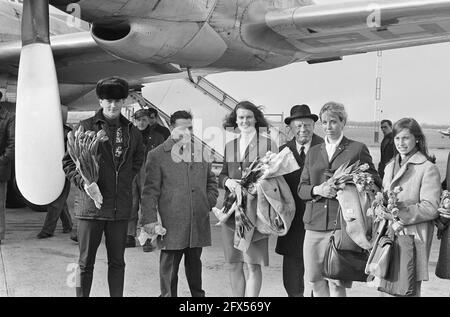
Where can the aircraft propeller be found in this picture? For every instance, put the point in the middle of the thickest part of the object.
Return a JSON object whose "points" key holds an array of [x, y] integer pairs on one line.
{"points": [[39, 145]]}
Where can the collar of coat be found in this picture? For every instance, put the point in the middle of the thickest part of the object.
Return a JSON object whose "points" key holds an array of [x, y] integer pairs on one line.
{"points": [[100, 118], [416, 159], [341, 147], [292, 145], [168, 144]]}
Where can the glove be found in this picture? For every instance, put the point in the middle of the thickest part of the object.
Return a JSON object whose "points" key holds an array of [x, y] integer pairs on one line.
{"points": [[94, 192]]}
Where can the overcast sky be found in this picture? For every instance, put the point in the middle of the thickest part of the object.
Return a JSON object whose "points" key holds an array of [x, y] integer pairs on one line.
{"points": [[415, 83]]}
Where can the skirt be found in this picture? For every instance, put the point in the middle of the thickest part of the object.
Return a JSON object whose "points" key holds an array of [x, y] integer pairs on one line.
{"points": [[257, 253], [314, 248]]}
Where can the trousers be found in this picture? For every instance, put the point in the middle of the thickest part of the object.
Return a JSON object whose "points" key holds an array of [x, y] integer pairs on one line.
{"points": [[168, 271], [90, 234], [2, 210], [58, 210]]}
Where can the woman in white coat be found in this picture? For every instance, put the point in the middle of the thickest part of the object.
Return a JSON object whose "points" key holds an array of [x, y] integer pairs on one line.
{"points": [[414, 170]]}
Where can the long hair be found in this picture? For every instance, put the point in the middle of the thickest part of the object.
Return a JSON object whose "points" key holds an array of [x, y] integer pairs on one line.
{"points": [[230, 119], [415, 129]]}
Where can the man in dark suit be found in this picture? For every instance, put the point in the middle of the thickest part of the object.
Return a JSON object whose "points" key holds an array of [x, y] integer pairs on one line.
{"points": [[387, 146], [290, 246]]}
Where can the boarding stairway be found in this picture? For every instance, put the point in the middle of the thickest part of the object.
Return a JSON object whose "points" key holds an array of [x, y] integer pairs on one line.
{"points": [[277, 128], [214, 92], [164, 119]]}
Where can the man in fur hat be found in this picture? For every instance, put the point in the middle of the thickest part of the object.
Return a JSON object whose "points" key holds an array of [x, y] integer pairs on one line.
{"points": [[121, 158]]}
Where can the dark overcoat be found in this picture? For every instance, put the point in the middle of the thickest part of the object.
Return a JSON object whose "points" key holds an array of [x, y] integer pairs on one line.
{"points": [[292, 243], [182, 192]]}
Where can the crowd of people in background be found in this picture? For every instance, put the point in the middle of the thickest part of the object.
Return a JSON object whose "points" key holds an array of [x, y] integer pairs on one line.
{"points": [[143, 186]]}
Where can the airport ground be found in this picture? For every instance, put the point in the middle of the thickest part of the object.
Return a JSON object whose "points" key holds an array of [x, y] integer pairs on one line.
{"points": [[41, 268]]}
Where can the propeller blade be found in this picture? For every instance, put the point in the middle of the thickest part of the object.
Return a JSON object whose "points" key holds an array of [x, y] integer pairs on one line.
{"points": [[39, 128]]}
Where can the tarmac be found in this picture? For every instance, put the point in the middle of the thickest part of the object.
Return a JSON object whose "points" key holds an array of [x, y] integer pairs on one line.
{"points": [[30, 267]]}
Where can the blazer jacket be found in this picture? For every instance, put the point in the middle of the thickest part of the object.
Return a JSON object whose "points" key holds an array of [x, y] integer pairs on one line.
{"points": [[233, 165], [321, 215]]}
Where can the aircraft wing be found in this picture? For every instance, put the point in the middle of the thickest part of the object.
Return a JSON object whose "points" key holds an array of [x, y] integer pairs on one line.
{"points": [[332, 30], [79, 60]]}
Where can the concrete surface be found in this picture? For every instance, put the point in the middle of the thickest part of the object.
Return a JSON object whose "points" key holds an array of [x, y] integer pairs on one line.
{"points": [[32, 267]]}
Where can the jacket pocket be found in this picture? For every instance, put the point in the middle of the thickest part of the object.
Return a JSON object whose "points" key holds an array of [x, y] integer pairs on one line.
{"points": [[84, 206]]}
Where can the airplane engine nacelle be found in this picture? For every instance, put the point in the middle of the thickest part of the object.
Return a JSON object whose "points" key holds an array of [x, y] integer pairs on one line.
{"points": [[150, 41]]}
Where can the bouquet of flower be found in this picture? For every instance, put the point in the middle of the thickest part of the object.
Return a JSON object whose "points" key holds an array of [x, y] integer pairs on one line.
{"points": [[82, 147], [271, 165], [444, 205], [237, 201], [153, 232], [354, 174], [385, 205], [355, 187], [444, 214]]}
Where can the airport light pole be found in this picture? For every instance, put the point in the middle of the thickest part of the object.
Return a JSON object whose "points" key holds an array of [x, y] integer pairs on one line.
{"points": [[378, 109]]}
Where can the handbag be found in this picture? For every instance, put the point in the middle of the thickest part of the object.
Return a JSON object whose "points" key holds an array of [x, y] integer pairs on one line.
{"points": [[380, 255], [344, 265], [401, 279]]}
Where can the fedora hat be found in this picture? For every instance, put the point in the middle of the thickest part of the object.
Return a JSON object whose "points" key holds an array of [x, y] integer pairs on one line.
{"points": [[300, 111]]}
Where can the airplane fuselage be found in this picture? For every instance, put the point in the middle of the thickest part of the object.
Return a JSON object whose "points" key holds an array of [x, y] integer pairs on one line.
{"points": [[202, 34]]}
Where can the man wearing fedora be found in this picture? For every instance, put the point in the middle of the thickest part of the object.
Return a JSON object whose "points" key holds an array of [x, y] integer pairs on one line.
{"points": [[301, 121]]}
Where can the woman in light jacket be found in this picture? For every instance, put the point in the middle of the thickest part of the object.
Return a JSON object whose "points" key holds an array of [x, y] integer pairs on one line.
{"points": [[414, 170], [238, 155]]}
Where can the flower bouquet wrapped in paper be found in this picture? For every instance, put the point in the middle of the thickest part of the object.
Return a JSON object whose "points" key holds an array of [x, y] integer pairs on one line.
{"points": [[444, 214], [355, 189], [270, 166], [385, 206], [153, 232], [82, 147]]}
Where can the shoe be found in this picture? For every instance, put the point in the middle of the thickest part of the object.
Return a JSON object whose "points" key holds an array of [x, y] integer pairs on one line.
{"points": [[67, 230], [148, 246], [43, 235], [74, 237], [131, 242]]}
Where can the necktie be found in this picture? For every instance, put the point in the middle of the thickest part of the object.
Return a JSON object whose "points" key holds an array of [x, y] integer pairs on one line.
{"points": [[302, 156]]}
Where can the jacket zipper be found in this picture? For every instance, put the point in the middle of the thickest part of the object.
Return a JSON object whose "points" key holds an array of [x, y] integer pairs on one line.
{"points": [[118, 169]]}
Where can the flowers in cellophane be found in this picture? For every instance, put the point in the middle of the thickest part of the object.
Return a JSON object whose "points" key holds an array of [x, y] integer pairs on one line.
{"points": [[443, 220], [444, 205], [386, 204], [355, 174], [271, 165]]}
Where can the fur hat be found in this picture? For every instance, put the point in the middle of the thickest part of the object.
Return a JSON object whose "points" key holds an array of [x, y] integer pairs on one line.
{"points": [[112, 88]]}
